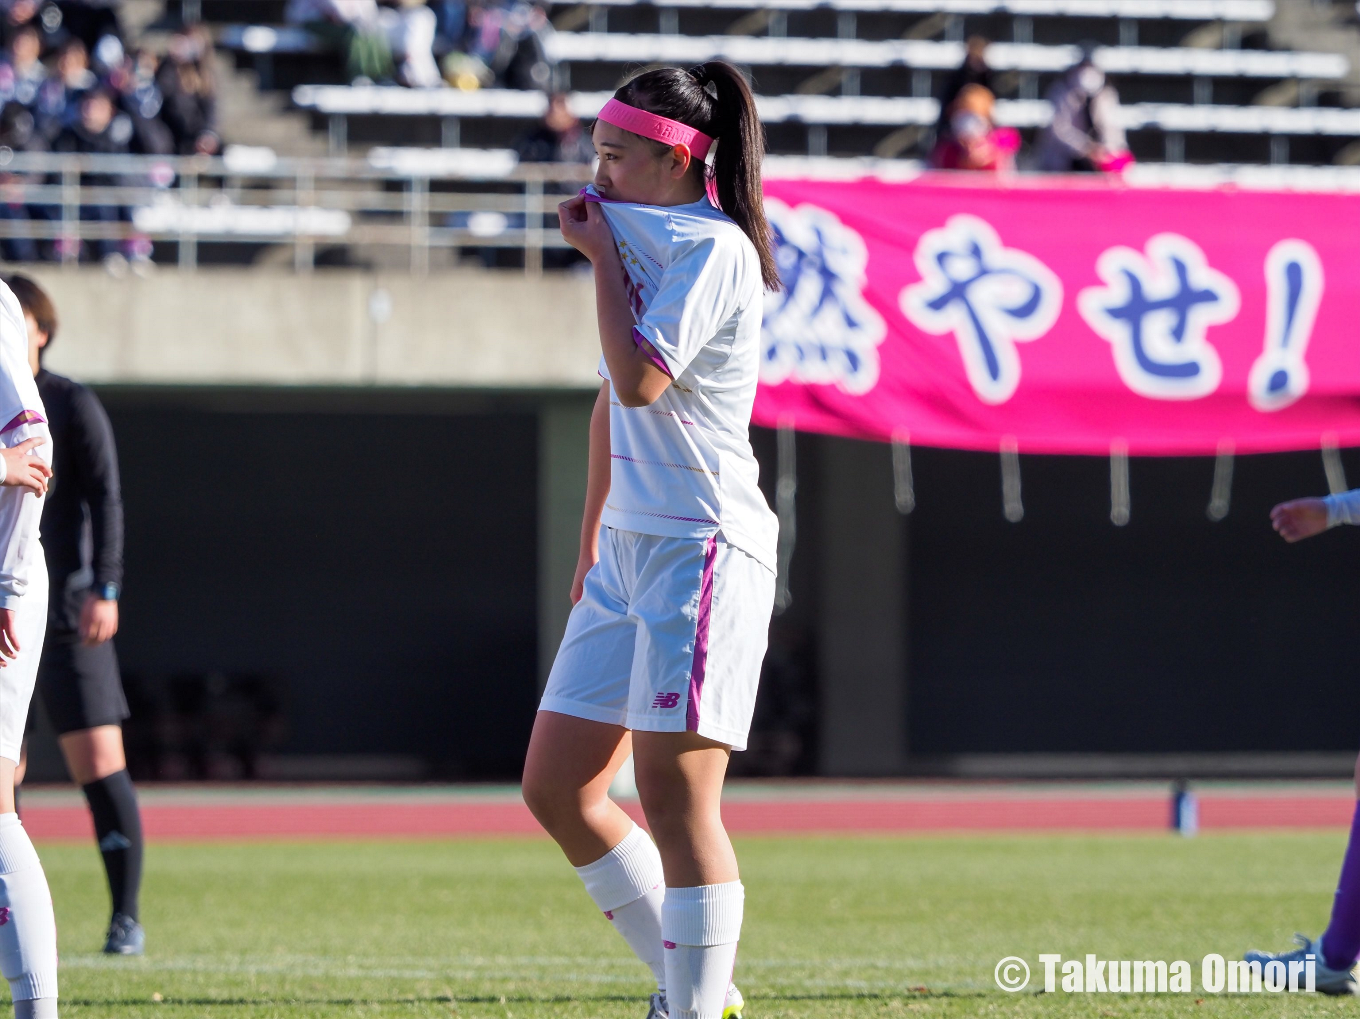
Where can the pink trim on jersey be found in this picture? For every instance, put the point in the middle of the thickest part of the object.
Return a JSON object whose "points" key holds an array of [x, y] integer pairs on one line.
{"points": [[664, 463], [697, 670], [649, 352], [24, 417], [658, 129]]}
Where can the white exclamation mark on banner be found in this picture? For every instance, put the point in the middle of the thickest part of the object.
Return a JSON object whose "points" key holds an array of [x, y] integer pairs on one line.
{"points": [[1293, 293]]}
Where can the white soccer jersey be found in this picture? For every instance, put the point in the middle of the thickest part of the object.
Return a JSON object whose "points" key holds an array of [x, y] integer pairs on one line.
{"points": [[23, 571], [683, 467]]}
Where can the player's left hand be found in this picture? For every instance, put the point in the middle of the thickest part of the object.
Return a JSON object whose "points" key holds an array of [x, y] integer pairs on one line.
{"points": [[584, 228], [1299, 519], [9, 639], [98, 620]]}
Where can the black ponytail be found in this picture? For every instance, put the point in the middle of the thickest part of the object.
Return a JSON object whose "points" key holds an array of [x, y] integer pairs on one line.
{"points": [[715, 99]]}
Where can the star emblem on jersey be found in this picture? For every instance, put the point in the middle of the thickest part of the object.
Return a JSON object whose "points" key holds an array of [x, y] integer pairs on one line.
{"points": [[666, 700]]}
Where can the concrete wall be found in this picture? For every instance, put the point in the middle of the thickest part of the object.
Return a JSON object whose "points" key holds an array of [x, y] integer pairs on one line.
{"points": [[331, 327]]}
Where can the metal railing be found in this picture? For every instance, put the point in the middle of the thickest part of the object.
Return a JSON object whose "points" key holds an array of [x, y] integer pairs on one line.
{"points": [[65, 205]]}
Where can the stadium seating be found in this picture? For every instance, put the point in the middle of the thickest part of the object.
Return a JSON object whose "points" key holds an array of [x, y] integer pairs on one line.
{"points": [[859, 77]]}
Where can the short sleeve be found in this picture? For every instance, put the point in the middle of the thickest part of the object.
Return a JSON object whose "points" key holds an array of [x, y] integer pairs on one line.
{"points": [[697, 294]]}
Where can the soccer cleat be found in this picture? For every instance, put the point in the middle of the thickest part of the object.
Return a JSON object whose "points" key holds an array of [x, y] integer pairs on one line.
{"points": [[734, 1004], [1328, 980], [126, 936]]}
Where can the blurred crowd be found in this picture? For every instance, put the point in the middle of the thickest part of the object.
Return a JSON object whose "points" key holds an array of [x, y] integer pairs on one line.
{"points": [[1084, 136], [468, 44], [68, 83]]}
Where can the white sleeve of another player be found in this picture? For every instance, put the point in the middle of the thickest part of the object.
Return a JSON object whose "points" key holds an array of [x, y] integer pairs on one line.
{"points": [[20, 515], [1343, 508]]}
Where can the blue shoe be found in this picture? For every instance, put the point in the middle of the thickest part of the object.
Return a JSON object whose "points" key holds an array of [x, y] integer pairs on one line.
{"points": [[1327, 980], [126, 936]]}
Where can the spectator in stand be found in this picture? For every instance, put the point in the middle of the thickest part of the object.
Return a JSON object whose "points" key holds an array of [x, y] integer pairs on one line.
{"points": [[18, 134], [450, 18], [58, 103], [139, 96], [558, 138], [22, 72], [99, 128], [353, 28], [1085, 135], [410, 27], [19, 12], [189, 92], [507, 36], [973, 71], [973, 141]]}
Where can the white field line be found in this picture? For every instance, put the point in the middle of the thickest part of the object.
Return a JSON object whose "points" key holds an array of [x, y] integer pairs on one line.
{"points": [[788, 973]]}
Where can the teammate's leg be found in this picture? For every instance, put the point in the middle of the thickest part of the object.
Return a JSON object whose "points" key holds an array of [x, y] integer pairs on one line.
{"points": [[28, 928], [1341, 941], [680, 777], [1336, 951], [570, 764], [96, 761]]}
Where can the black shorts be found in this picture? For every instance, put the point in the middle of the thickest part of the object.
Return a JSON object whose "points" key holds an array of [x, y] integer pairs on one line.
{"points": [[80, 686]]}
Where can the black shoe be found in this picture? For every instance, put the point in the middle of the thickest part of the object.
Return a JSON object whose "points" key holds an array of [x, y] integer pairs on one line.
{"points": [[126, 936]]}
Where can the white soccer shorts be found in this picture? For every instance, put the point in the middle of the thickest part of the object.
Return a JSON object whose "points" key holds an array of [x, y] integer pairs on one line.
{"points": [[668, 636], [19, 675]]}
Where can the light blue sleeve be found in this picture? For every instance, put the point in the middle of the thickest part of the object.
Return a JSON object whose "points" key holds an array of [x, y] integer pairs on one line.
{"points": [[697, 294], [1343, 508]]}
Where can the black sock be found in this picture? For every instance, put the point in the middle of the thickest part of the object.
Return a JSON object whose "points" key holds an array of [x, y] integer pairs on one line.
{"points": [[118, 827]]}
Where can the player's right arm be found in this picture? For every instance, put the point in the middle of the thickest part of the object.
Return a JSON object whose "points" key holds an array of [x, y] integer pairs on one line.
{"points": [[597, 490], [1303, 518]]}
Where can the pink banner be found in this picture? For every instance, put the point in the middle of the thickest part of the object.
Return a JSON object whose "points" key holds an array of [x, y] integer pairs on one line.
{"points": [[1068, 316]]}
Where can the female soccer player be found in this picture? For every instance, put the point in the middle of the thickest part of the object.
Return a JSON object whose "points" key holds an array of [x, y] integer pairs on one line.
{"points": [[1336, 950], [675, 582], [28, 933]]}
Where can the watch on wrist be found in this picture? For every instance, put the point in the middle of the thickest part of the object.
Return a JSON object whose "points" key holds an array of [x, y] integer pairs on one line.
{"points": [[106, 592]]}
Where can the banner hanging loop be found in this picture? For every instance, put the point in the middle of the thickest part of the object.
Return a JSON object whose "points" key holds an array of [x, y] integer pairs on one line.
{"points": [[1331, 463], [904, 491], [1220, 497], [1011, 505], [1119, 483]]}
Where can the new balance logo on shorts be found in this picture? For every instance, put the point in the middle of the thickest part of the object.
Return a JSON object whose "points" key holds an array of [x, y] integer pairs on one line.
{"points": [[666, 700]]}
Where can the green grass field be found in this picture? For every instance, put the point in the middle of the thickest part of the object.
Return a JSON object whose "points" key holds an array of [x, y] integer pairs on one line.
{"points": [[835, 927]]}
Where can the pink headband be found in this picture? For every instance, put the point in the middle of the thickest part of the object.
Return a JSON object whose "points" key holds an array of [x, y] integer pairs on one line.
{"points": [[658, 129]]}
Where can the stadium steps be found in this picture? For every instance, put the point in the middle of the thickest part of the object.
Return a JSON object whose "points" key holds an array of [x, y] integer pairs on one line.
{"points": [[1325, 29], [248, 115]]}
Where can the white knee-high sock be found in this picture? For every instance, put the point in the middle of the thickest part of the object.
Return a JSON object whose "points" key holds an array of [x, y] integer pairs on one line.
{"points": [[628, 887], [700, 928], [28, 930]]}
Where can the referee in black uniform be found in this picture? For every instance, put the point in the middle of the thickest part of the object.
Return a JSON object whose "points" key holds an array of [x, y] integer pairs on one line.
{"points": [[78, 680]]}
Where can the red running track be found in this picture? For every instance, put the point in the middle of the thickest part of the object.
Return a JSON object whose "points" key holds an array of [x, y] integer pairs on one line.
{"points": [[448, 818]]}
